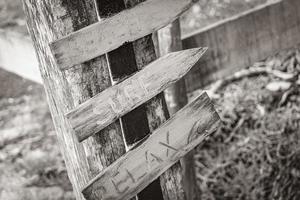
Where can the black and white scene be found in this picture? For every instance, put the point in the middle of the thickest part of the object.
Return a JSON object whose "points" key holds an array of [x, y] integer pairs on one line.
{"points": [[149, 99]]}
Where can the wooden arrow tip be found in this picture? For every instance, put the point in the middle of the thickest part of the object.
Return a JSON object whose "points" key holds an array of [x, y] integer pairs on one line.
{"points": [[196, 53]]}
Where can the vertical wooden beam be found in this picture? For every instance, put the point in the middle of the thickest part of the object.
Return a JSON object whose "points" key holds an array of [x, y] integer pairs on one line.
{"points": [[49, 20], [169, 40], [137, 124]]}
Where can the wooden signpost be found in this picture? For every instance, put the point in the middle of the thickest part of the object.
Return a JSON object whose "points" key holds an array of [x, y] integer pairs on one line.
{"points": [[101, 110], [139, 167], [111, 33], [126, 40]]}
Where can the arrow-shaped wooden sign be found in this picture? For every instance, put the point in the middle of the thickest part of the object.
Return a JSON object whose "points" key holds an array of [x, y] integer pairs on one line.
{"points": [[101, 110], [139, 167], [127, 26]]}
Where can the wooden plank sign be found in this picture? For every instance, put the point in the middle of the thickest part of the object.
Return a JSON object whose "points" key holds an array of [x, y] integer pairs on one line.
{"points": [[109, 34], [114, 102], [139, 167]]}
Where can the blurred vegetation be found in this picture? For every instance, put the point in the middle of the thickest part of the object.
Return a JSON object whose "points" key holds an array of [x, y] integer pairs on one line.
{"points": [[206, 12], [203, 13], [255, 153], [12, 16], [31, 166]]}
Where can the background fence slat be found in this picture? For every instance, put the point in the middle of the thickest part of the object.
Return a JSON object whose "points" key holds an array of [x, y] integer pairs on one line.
{"points": [[239, 41]]}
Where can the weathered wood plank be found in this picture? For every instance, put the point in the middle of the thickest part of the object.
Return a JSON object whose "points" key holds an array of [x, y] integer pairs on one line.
{"points": [[101, 110], [140, 166], [111, 33], [242, 40]]}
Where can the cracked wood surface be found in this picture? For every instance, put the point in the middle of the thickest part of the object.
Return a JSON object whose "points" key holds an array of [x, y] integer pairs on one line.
{"points": [[143, 164], [110, 33], [101, 110]]}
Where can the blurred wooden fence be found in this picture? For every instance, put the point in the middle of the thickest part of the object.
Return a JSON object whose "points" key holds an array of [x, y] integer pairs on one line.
{"points": [[239, 41]]}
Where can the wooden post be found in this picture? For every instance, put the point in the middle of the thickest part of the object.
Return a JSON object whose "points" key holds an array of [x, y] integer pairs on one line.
{"points": [[169, 40], [49, 20]]}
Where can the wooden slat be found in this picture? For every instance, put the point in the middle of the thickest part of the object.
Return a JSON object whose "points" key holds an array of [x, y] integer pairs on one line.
{"points": [[101, 110], [140, 166], [111, 33]]}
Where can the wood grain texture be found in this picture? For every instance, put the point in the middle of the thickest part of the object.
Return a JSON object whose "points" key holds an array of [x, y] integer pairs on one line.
{"points": [[242, 40], [47, 21], [109, 34], [143, 164], [101, 110]]}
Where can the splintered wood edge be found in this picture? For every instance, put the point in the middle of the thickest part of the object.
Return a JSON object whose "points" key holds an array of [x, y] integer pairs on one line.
{"points": [[98, 112], [100, 38], [189, 127]]}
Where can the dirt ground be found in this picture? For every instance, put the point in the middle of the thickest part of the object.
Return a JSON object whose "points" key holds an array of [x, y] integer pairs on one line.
{"points": [[31, 166]]}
